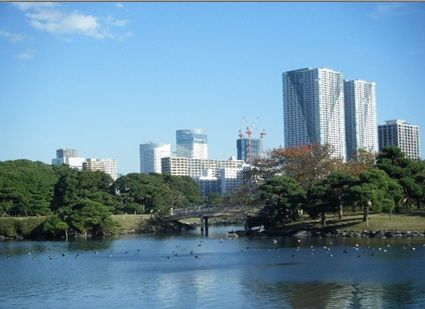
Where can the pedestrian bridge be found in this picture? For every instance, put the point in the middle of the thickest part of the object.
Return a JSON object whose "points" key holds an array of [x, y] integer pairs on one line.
{"points": [[212, 211]]}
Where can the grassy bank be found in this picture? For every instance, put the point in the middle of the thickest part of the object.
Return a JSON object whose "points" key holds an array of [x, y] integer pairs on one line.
{"points": [[398, 222], [19, 226], [131, 223], [24, 227]]}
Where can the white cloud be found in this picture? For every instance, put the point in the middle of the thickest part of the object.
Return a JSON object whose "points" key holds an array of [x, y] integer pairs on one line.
{"points": [[26, 6], [116, 22], [26, 55], [13, 37], [54, 19], [119, 5], [387, 9]]}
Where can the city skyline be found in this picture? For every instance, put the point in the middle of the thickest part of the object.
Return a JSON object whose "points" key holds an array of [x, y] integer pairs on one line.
{"points": [[105, 77]]}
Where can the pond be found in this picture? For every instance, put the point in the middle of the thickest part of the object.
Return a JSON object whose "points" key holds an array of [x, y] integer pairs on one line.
{"points": [[190, 269]]}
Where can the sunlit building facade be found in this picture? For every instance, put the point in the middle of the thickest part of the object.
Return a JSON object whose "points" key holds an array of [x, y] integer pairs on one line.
{"points": [[313, 108]]}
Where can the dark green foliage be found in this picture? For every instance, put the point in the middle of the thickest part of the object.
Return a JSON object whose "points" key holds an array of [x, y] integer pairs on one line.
{"points": [[408, 173], [148, 191], [154, 192], [376, 190], [214, 199], [185, 189], [283, 197], [54, 227], [88, 217], [22, 227], [26, 188]]}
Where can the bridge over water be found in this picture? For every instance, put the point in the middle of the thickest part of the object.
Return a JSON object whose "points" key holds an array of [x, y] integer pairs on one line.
{"points": [[206, 212]]}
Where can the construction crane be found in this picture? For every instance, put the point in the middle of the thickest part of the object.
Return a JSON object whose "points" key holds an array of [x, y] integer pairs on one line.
{"points": [[249, 136]]}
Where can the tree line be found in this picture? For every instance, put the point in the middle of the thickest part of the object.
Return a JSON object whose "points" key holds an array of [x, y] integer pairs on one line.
{"points": [[82, 201], [309, 179]]}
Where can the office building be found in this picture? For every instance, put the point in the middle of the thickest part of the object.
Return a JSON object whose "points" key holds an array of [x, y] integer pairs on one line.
{"points": [[231, 179], [222, 176], [249, 149], [195, 167], [108, 166], [208, 182], [313, 107], [192, 143], [151, 155], [401, 134], [68, 157], [360, 117]]}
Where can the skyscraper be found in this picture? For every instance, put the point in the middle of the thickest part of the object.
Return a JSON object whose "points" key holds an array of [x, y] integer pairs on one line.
{"points": [[401, 134], [313, 107], [192, 143], [360, 116], [245, 145], [151, 155]]}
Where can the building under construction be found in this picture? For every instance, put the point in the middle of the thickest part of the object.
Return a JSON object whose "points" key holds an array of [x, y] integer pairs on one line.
{"points": [[250, 148]]}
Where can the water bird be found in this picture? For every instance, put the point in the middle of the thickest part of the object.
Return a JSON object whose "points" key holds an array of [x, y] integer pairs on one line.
{"points": [[63, 254], [385, 250], [274, 241], [331, 255], [413, 248], [293, 255], [196, 256], [345, 251]]}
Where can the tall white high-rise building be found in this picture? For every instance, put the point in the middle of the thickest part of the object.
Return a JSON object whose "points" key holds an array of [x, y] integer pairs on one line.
{"points": [[313, 108], [151, 155], [401, 134], [192, 143], [360, 116], [108, 166]]}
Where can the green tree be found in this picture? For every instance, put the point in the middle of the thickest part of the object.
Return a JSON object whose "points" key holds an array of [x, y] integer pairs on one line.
{"points": [[318, 201], [375, 189], [283, 197], [214, 199], [149, 191], [54, 227], [88, 217], [338, 184], [185, 190], [407, 172], [26, 188]]}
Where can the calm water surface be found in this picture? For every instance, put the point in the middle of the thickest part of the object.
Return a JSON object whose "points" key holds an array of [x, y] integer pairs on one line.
{"points": [[191, 270]]}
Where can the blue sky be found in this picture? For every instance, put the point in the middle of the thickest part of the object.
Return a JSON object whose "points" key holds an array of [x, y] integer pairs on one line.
{"points": [[105, 77]]}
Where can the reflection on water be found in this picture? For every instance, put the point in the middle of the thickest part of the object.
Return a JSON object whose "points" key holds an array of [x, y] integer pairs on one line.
{"points": [[190, 270], [338, 295]]}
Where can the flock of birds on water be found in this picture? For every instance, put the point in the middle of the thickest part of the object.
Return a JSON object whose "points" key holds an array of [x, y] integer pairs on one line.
{"points": [[328, 249]]}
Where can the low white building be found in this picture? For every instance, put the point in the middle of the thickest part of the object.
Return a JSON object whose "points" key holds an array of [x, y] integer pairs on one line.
{"points": [[151, 155], [68, 157], [108, 166]]}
